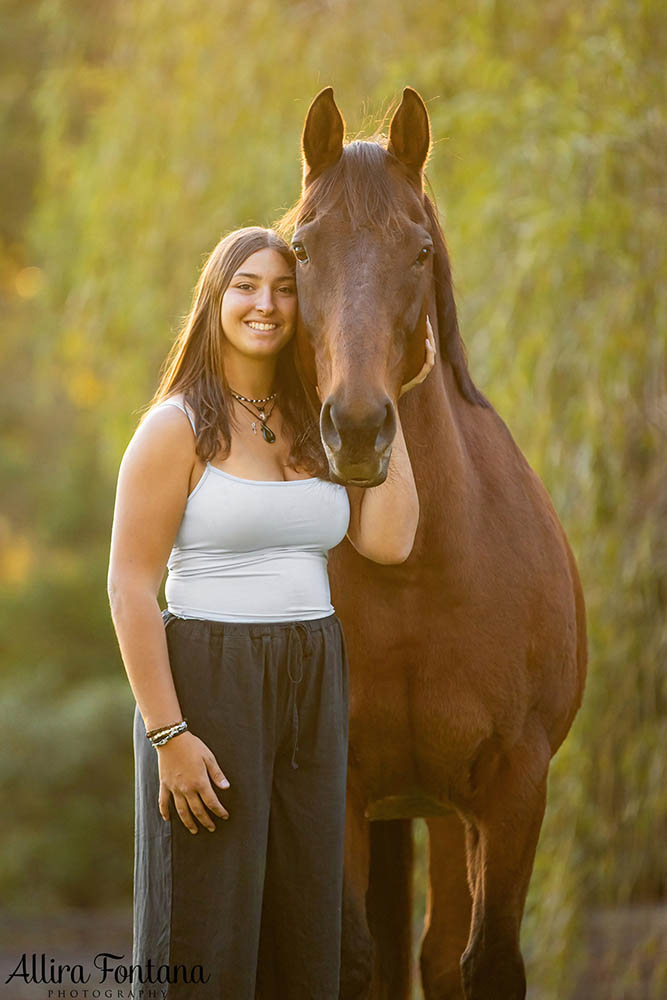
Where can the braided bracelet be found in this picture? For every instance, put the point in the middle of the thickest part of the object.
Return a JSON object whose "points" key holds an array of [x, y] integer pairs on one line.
{"points": [[158, 737], [163, 729], [163, 738]]}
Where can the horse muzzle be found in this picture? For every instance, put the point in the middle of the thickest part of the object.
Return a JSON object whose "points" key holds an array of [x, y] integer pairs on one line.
{"points": [[357, 440]]}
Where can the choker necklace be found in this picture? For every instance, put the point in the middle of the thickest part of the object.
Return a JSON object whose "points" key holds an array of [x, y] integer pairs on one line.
{"points": [[249, 399], [259, 411]]}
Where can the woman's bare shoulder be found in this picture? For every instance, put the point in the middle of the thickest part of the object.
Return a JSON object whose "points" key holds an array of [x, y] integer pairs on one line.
{"points": [[174, 402], [164, 434]]}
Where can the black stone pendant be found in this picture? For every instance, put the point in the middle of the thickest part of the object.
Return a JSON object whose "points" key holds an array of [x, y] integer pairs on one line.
{"points": [[268, 434]]}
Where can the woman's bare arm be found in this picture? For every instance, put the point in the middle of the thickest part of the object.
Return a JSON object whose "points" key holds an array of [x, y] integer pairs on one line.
{"points": [[383, 519], [152, 492], [150, 500]]}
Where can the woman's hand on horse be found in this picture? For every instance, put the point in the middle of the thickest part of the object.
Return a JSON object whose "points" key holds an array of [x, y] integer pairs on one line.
{"points": [[188, 771], [428, 363]]}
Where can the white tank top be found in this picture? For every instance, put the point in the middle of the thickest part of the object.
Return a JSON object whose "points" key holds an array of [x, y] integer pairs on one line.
{"points": [[255, 550]]}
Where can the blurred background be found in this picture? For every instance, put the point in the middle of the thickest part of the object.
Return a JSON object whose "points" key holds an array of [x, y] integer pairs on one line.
{"points": [[134, 136]]}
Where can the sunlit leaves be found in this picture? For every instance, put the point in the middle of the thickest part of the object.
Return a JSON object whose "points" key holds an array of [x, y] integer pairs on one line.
{"points": [[150, 128]]}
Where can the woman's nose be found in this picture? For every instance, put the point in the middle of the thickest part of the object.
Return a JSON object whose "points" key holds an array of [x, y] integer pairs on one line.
{"points": [[264, 302]]}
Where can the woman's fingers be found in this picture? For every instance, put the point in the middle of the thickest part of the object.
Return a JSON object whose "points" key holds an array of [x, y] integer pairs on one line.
{"points": [[215, 772], [208, 794], [212, 802], [428, 362], [199, 810], [183, 810], [430, 347], [187, 774], [193, 806], [430, 336], [163, 802]]}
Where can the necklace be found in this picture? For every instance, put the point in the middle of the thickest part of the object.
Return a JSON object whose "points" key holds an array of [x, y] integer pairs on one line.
{"points": [[249, 399], [267, 433]]}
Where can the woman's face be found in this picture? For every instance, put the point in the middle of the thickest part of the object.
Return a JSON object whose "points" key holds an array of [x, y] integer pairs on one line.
{"points": [[258, 310]]}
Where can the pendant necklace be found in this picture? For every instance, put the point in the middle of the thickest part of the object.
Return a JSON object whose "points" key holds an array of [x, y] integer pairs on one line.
{"points": [[258, 411]]}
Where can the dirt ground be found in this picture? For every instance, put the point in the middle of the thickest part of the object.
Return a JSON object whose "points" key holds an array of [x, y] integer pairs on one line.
{"points": [[67, 938], [626, 948]]}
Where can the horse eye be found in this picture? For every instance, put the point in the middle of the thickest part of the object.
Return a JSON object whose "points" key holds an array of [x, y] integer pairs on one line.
{"points": [[300, 252], [423, 255]]}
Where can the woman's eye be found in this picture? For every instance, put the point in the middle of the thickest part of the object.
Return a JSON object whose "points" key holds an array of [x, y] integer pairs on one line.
{"points": [[244, 286], [287, 290], [423, 255], [300, 252]]}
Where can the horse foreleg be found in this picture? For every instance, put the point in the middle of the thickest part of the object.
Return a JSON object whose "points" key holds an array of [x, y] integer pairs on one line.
{"points": [[504, 827], [389, 907], [357, 950], [448, 910]]}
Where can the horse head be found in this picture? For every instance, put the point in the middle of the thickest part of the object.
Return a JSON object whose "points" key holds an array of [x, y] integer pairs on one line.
{"points": [[372, 265]]}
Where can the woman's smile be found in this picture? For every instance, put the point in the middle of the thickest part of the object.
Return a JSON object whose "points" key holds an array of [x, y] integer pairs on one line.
{"points": [[262, 327]]}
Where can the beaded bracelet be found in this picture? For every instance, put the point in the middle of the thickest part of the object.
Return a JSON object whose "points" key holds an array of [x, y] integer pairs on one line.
{"points": [[158, 737], [163, 729], [162, 738]]}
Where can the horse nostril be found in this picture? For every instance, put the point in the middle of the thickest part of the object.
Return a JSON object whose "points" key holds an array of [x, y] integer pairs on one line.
{"points": [[387, 430], [374, 427], [328, 428]]}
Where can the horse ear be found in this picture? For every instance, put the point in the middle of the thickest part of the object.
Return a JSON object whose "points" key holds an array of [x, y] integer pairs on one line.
{"points": [[410, 132], [322, 139]]}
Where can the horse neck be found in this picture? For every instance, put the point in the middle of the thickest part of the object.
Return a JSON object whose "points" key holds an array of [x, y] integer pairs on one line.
{"points": [[433, 415]]}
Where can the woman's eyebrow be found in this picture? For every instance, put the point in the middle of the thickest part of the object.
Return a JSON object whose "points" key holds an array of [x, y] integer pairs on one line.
{"points": [[257, 277]]}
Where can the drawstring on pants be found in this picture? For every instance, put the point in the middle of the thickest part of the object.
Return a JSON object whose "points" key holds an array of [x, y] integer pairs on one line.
{"points": [[295, 651]]}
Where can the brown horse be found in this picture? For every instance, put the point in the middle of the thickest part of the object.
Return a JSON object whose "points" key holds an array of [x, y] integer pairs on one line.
{"points": [[468, 660]]}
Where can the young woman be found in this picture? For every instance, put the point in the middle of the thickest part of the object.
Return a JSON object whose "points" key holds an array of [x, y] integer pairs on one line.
{"points": [[241, 684]]}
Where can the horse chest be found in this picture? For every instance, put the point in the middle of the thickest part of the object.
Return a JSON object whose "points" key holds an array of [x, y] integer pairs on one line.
{"points": [[414, 760]]}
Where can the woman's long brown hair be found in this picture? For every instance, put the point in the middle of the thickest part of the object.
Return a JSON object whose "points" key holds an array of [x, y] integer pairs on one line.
{"points": [[194, 365]]}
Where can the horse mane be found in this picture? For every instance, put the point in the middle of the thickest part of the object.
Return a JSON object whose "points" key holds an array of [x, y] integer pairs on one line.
{"points": [[450, 341], [360, 181]]}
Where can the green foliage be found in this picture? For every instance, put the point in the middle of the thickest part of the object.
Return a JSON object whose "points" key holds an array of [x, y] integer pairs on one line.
{"points": [[138, 133], [71, 776]]}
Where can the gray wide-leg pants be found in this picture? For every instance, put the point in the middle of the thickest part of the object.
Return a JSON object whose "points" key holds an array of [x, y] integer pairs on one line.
{"points": [[257, 903]]}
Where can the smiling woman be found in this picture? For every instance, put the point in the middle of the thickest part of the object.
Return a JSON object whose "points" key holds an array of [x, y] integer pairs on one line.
{"points": [[226, 484]]}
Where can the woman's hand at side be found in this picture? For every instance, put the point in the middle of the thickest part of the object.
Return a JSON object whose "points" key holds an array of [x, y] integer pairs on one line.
{"points": [[187, 769]]}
